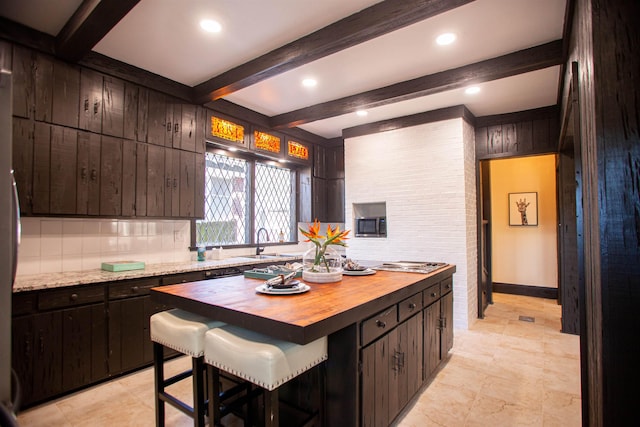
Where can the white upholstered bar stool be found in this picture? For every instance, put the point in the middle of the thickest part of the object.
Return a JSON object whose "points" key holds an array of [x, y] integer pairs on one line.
{"points": [[183, 332], [260, 359]]}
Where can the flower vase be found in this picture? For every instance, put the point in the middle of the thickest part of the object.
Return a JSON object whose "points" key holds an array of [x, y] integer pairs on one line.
{"points": [[321, 267]]}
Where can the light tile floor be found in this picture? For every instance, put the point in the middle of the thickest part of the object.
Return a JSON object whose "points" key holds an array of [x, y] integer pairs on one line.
{"points": [[501, 372]]}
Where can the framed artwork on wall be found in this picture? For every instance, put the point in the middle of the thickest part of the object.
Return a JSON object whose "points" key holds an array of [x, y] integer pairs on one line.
{"points": [[523, 209]]}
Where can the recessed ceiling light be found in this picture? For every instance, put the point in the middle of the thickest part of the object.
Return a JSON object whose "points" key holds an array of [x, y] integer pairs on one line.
{"points": [[362, 113], [445, 39], [210, 25], [233, 149], [472, 90], [309, 82]]}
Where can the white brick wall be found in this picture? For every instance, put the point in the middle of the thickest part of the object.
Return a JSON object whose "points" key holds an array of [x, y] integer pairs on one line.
{"points": [[426, 176]]}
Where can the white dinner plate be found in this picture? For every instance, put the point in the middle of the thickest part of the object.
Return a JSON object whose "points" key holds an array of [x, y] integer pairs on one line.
{"points": [[366, 272], [298, 289]]}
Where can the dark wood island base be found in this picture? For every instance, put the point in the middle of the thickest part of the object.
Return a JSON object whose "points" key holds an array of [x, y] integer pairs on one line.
{"points": [[387, 332]]}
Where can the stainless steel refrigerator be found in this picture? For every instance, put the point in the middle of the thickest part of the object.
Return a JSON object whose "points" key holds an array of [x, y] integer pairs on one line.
{"points": [[9, 239]]}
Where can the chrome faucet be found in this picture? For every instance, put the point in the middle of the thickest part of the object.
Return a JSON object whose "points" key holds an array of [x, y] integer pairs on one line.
{"points": [[258, 249]]}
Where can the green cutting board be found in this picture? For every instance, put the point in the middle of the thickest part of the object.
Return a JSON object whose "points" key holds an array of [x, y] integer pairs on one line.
{"points": [[123, 265]]}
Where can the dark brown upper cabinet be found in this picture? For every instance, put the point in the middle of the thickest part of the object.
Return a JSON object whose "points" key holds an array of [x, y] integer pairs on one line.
{"points": [[90, 101]]}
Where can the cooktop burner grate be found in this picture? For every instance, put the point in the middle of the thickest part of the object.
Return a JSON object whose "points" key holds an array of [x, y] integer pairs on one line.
{"points": [[411, 266]]}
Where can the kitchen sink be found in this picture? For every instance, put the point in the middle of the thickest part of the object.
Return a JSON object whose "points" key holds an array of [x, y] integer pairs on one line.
{"points": [[263, 256]]}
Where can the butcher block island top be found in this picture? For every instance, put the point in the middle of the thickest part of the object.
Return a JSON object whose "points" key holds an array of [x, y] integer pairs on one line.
{"points": [[355, 314], [300, 318]]}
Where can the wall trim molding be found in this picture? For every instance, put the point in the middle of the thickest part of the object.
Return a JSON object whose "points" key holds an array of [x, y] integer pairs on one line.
{"points": [[526, 290]]}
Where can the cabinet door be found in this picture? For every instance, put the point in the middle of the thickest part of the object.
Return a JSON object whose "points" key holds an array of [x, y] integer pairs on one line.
{"points": [[155, 181], [64, 167], [23, 352], [405, 375], [319, 194], [43, 86], [375, 383], [110, 176], [90, 101], [198, 203], [131, 100], [66, 92], [41, 167], [156, 118], [129, 163], [127, 324], [23, 85], [335, 200], [173, 123], [319, 162], [188, 126], [187, 184], [142, 124], [88, 179], [201, 129], [113, 107], [83, 331], [23, 161], [431, 339], [47, 363], [142, 154], [172, 180], [447, 324]]}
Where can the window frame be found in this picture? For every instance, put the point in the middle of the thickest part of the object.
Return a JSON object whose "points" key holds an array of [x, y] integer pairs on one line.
{"points": [[253, 158]]}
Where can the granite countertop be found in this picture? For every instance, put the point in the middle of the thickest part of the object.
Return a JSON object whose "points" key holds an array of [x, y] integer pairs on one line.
{"points": [[71, 278]]}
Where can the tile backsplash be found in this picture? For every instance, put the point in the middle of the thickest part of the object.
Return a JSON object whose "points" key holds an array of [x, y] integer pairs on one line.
{"points": [[52, 245]]}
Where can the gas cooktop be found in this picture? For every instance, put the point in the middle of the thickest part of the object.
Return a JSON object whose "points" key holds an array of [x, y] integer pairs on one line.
{"points": [[422, 267]]}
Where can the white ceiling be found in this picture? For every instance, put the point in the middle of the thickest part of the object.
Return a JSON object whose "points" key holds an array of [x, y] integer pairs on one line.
{"points": [[164, 37]]}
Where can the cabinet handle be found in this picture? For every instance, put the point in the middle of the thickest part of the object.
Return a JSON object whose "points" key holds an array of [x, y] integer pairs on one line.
{"points": [[94, 175], [176, 128], [168, 182], [134, 289], [447, 286], [74, 297], [175, 183], [433, 295], [412, 306], [96, 105], [83, 173], [41, 342], [168, 126], [86, 105], [381, 324]]}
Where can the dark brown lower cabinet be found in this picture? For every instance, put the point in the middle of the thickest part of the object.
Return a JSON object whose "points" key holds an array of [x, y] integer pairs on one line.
{"points": [[431, 338], [391, 372], [446, 307]]}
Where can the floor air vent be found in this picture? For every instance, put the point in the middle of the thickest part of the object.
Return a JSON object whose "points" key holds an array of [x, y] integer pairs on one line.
{"points": [[527, 319]]}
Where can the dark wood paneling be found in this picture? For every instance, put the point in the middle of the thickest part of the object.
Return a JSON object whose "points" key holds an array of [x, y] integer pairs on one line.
{"points": [[523, 61], [131, 99], [156, 118], [364, 25], [431, 339], [518, 134], [64, 167], [188, 131], [110, 176], [155, 181], [143, 115], [187, 184], [527, 290], [47, 366]]}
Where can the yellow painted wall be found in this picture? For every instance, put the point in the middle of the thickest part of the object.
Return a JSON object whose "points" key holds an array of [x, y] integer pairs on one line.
{"points": [[524, 255]]}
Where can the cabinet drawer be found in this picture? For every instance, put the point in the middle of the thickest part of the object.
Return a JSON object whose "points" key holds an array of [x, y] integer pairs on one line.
{"points": [[431, 294], [409, 307], [23, 303], [71, 296], [379, 324], [192, 276], [446, 286], [132, 288]]}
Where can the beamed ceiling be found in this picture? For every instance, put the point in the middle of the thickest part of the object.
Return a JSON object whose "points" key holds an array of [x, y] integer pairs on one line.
{"points": [[378, 56]]}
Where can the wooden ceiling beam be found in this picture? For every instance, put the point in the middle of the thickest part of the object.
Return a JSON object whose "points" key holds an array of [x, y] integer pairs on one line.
{"points": [[523, 61], [369, 23], [89, 24]]}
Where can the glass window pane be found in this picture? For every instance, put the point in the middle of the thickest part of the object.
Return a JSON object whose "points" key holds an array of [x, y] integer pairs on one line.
{"points": [[274, 200]]}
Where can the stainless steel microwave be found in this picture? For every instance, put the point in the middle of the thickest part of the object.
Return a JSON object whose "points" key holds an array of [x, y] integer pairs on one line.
{"points": [[371, 226]]}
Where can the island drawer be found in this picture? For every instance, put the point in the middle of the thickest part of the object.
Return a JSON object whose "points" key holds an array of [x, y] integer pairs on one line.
{"points": [[190, 276], [70, 296], [409, 307], [379, 324], [446, 285], [132, 288], [431, 294]]}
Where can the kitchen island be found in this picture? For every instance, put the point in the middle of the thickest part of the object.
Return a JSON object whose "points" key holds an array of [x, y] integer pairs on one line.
{"points": [[387, 332]]}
